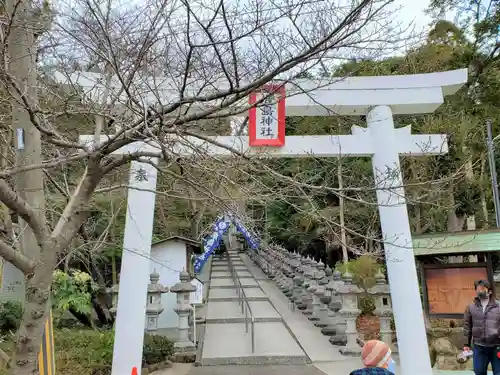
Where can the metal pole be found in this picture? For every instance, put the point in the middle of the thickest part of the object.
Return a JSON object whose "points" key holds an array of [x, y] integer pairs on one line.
{"points": [[493, 171], [194, 325]]}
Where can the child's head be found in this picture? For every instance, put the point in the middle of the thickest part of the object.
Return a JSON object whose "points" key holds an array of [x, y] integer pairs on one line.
{"points": [[376, 354]]}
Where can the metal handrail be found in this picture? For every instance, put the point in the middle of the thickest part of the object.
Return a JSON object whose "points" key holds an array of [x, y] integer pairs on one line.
{"points": [[242, 301]]}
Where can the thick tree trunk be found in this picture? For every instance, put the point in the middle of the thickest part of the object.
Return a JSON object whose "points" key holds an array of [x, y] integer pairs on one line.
{"points": [[484, 205], [23, 96], [455, 222], [38, 282], [36, 308], [469, 173]]}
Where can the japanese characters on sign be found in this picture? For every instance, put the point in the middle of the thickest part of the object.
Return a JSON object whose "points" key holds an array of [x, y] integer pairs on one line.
{"points": [[141, 175], [267, 116], [268, 119], [196, 297]]}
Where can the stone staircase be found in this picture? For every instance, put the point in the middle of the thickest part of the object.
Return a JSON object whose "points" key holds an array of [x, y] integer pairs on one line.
{"points": [[238, 313], [248, 320]]}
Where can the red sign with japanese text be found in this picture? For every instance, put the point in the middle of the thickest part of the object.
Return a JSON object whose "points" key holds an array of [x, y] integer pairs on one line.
{"points": [[267, 116]]}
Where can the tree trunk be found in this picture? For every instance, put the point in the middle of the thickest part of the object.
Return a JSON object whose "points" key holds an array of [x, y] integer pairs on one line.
{"points": [[37, 296], [455, 223], [418, 218], [343, 237], [86, 320], [22, 67], [484, 205], [469, 174], [36, 308]]}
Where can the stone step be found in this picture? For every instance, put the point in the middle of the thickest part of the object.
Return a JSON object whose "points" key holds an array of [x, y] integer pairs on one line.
{"points": [[229, 283], [229, 277], [255, 360], [217, 274], [225, 264], [236, 299], [243, 320], [275, 369], [225, 267], [231, 286], [228, 343], [231, 295], [223, 310]]}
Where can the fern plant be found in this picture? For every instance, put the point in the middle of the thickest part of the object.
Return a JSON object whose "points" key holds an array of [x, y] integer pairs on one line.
{"points": [[72, 290]]}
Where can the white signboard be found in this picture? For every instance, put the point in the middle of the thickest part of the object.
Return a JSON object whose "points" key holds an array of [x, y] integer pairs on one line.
{"points": [[267, 117], [196, 297]]}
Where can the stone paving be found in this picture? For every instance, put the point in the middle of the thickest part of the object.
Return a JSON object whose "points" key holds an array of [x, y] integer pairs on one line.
{"points": [[321, 368], [257, 370]]}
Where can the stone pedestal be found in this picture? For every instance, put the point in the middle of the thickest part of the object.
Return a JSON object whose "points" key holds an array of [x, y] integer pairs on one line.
{"points": [[184, 346]]}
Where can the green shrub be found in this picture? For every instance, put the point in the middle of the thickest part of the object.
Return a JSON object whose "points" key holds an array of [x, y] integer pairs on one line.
{"points": [[88, 352], [72, 290], [156, 349], [83, 351], [11, 313], [366, 304], [363, 270]]}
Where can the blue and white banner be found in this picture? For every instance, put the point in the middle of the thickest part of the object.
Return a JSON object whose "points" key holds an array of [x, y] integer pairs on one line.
{"points": [[212, 241], [249, 236]]}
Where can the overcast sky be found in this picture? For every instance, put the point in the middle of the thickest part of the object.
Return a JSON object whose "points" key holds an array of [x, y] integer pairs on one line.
{"points": [[413, 10]]}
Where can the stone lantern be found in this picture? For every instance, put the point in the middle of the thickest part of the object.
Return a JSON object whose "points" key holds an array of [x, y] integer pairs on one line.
{"points": [[154, 307], [350, 313], [183, 290], [383, 308]]}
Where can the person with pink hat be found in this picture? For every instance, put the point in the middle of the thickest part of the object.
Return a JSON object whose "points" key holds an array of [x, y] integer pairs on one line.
{"points": [[377, 358]]}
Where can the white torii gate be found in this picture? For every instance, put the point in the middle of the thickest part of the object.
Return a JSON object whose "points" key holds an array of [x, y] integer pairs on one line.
{"points": [[379, 98]]}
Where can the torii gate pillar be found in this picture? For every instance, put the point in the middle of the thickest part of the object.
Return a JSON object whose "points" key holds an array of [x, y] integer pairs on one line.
{"points": [[395, 225]]}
